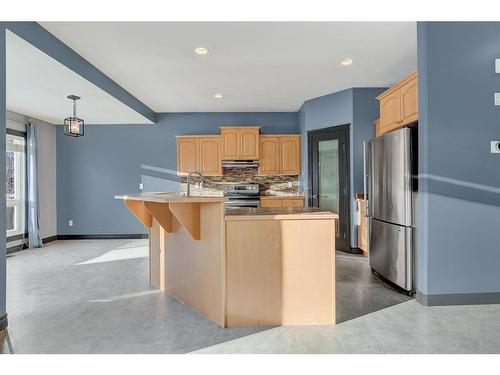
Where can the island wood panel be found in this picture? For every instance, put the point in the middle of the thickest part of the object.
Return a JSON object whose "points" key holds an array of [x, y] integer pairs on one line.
{"points": [[156, 254], [188, 215], [254, 273], [140, 212], [195, 269], [308, 272], [280, 272], [161, 214]]}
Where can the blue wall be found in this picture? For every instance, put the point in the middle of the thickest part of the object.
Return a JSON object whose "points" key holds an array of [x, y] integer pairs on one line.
{"points": [[108, 160], [366, 109], [357, 107], [329, 110], [459, 202]]}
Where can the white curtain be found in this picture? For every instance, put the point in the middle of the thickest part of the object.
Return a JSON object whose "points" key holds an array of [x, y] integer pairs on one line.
{"points": [[35, 239]]}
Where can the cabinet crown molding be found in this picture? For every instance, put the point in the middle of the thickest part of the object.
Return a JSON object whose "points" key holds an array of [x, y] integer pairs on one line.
{"points": [[398, 85]]}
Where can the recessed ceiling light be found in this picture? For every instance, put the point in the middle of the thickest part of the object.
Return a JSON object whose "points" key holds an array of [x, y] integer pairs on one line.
{"points": [[347, 61], [201, 50], [218, 96]]}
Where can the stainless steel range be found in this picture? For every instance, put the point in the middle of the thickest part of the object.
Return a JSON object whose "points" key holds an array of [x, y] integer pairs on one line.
{"points": [[242, 195]]}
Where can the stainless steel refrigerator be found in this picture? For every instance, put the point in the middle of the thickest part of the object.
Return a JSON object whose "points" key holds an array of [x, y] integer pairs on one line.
{"points": [[391, 192]]}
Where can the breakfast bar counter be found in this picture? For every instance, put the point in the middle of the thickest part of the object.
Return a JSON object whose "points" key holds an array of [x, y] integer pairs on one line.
{"points": [[244, 266]]}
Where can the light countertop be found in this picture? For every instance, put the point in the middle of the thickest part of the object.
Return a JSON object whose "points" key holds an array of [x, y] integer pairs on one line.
{"points": [[167, 197]]}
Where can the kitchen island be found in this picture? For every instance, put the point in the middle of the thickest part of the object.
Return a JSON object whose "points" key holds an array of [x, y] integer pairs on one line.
{"points": [[241, 267]]}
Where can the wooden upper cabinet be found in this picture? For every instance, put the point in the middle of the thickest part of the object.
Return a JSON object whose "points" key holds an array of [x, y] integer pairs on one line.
{"points": [[187, 154], [199, 154], [290, 155], [390, 111], [377, 127], [249, 143], [230, 143], [399, 104], [240, 142], [280, 154], [409, 102], [269, 155], [210, 158]]}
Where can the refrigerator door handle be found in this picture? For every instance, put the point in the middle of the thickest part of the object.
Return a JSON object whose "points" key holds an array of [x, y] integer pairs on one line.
{"points": [[367, 178]]}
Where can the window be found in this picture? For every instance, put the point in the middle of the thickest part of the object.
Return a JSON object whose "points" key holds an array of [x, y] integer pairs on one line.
{"points": [[15, 157]]}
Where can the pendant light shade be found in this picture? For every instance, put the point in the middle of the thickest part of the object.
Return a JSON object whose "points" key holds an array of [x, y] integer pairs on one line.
{"points": [[73, 126]]}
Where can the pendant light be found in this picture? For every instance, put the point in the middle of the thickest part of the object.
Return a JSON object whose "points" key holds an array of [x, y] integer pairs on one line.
{"points": [[73, 126]]}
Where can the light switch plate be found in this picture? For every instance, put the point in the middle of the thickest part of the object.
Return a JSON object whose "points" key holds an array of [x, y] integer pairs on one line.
{"points": [[497, 98], [495, 147], [497, 65], [141, 186], [70, 223]]}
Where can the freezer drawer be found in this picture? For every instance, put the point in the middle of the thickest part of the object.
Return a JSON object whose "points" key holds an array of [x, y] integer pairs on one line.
{"points": [[391, 179], [391, 252]]}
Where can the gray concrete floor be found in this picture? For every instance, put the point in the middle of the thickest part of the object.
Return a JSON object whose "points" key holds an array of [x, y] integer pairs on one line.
{"points": [[408, 327], [94, 297], [359, 290]]}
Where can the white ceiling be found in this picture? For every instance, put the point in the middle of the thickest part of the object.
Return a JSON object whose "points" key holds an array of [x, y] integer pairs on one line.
{"points": [[257, 66], [37, 86]]}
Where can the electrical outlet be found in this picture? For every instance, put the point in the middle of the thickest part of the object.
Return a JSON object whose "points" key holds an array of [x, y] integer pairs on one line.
{"points": [[290, 184], [495, 147], [141, 186], [70, 223], [497, 98]]}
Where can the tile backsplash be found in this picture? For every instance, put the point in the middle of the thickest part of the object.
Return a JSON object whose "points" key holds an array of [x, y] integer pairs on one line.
{"points": [[268, 185]]}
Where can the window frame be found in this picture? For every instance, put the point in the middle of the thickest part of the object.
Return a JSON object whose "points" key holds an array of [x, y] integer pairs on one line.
{"points": [[18, 234]]}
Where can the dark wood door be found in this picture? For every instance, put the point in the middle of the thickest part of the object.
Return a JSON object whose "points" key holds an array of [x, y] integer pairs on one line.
{"points": [[329, 177]]}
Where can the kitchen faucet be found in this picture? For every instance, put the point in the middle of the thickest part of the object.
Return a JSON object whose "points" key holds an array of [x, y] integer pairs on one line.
{"points": [[189, 182]]}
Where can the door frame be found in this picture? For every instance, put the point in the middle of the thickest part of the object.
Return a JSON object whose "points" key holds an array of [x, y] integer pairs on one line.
{"points": [[345, 176]]}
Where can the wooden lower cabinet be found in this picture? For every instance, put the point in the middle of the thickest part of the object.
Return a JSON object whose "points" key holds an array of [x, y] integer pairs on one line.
{"points": [[362, 226], [278, 201]]}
